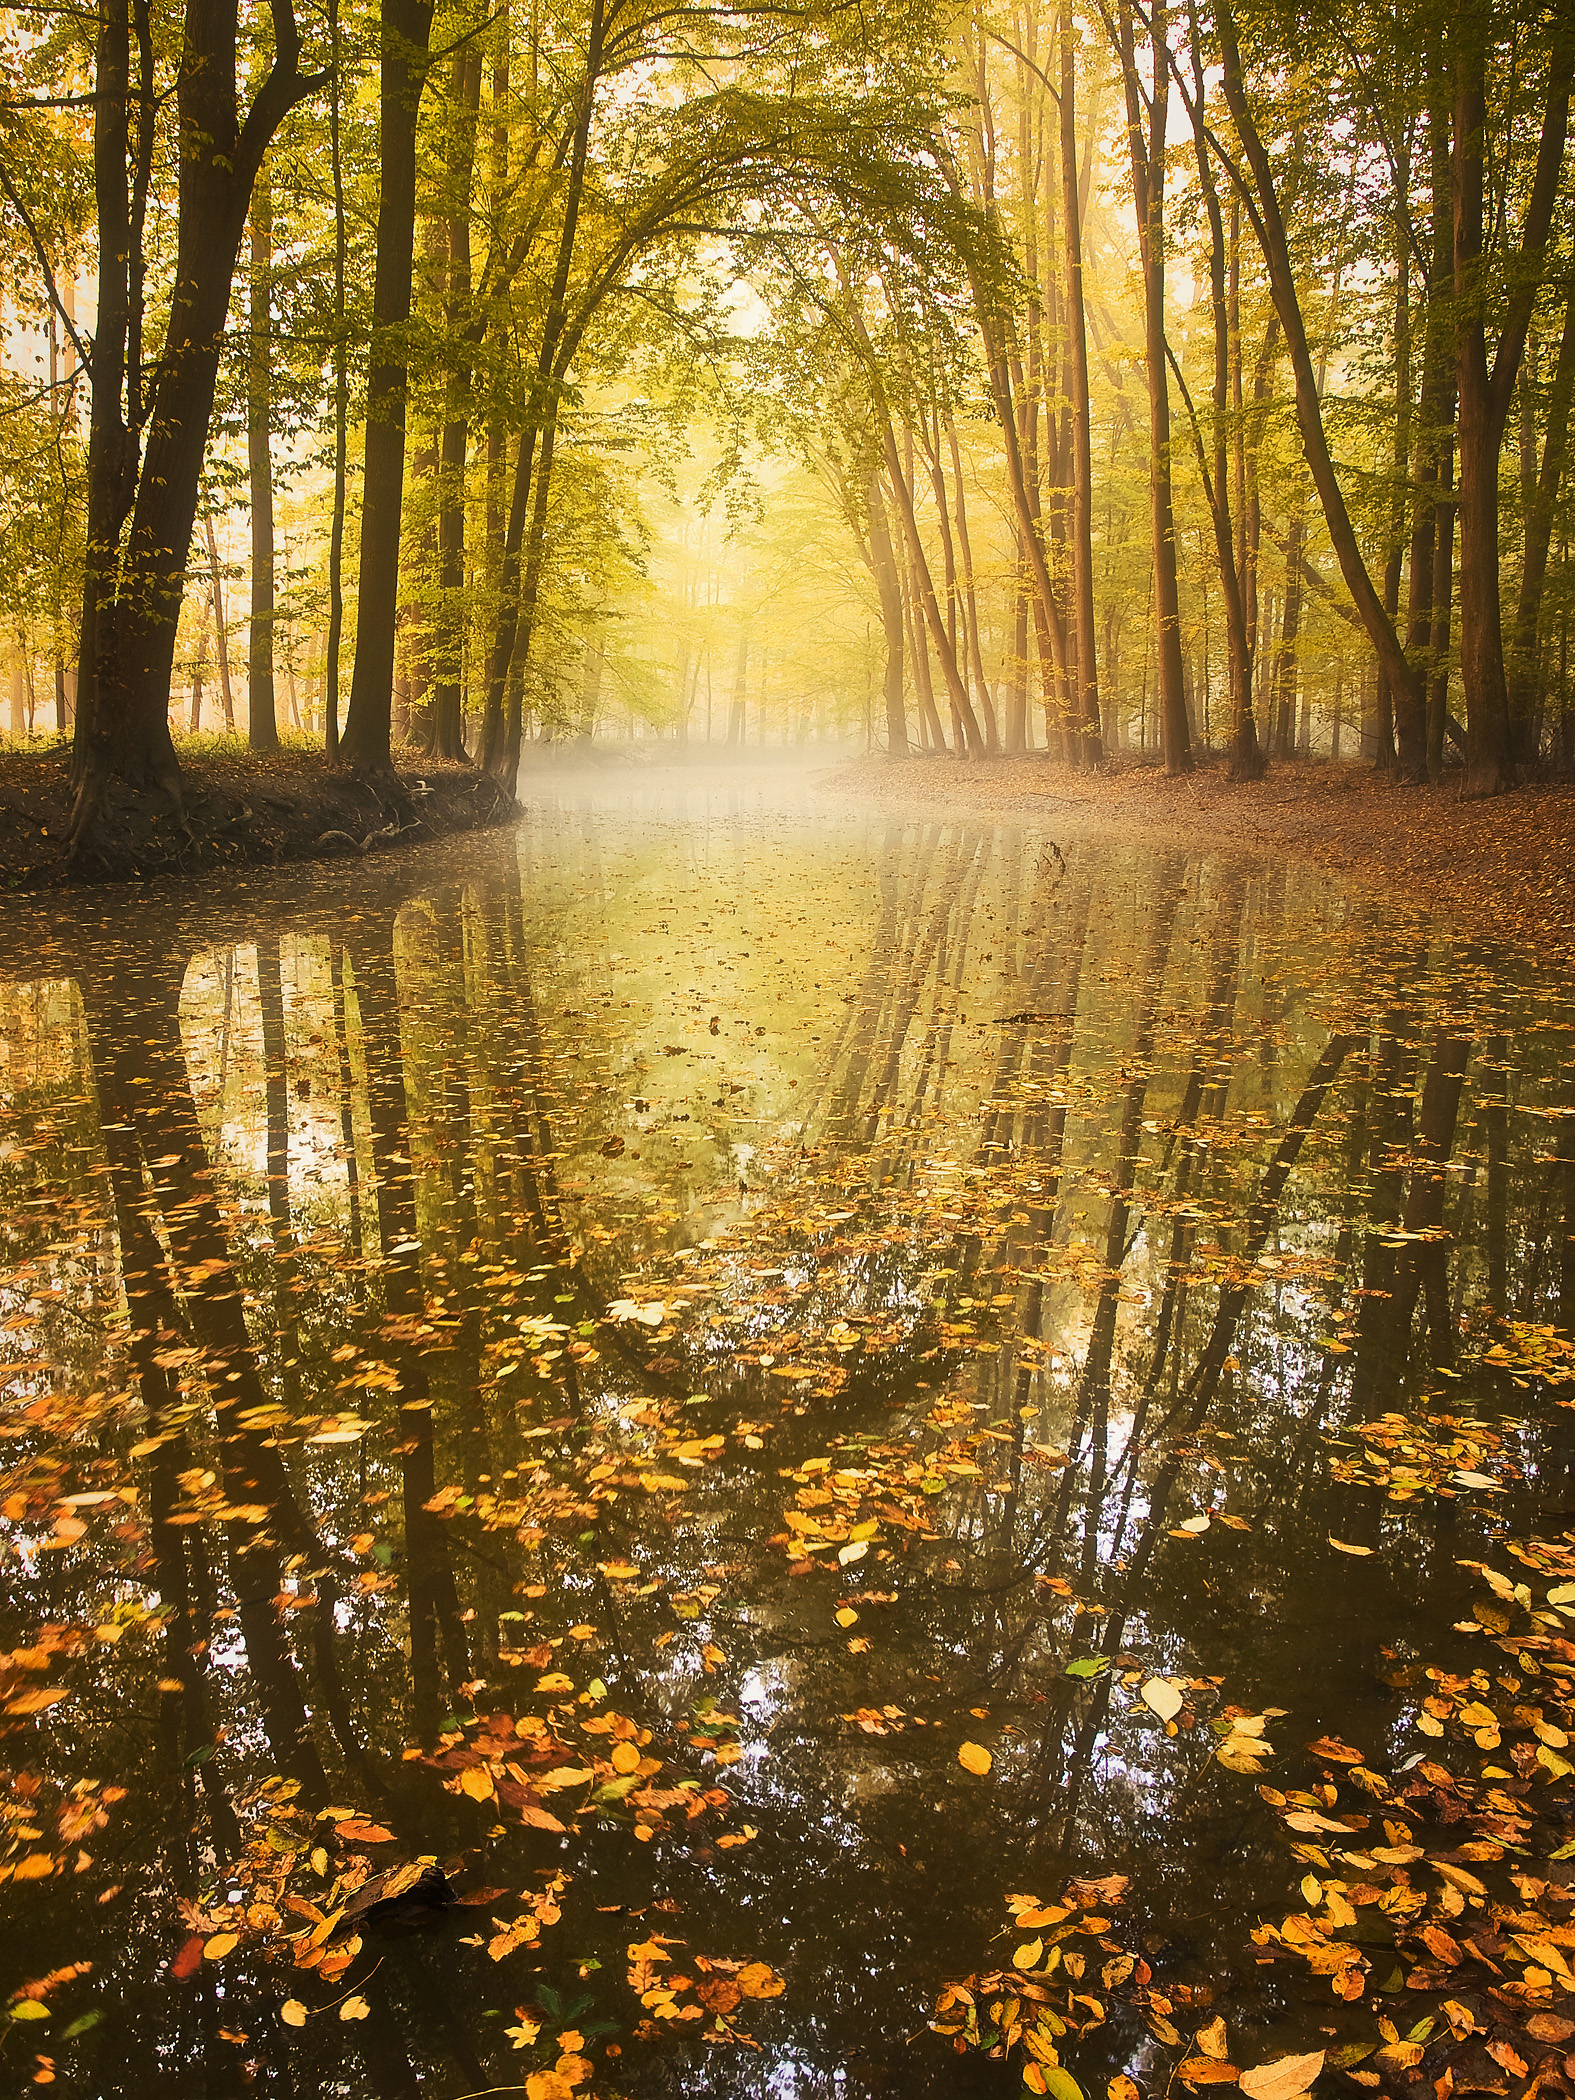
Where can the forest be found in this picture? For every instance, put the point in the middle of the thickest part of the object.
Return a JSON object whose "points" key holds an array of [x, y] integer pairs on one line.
{"points": [[787, 1128], [1091, 380]]}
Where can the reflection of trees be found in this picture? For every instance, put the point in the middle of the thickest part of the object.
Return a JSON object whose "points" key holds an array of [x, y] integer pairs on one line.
{"points": [[184, 1292]]}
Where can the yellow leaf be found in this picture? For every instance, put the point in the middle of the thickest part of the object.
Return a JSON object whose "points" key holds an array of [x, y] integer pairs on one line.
{"points": [[847, 1616], [293, 2013], [476, 1781], [1027, 1956], [756, 1980], [354, 2009], [547, 2085], [1287, 2078], [973, 1757], [625, 1758], [1359, 1553], [1161, 1697], [220, 1945]]}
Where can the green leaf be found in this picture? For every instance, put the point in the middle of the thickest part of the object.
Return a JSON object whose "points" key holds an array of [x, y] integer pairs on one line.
{"points": [[80, 2025], [615, 1789], [29, 2009], [1059, 2082], [1087, 1666]]}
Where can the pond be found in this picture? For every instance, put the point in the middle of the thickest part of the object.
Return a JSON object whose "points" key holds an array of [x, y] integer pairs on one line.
{"points": [[730, 1445]]}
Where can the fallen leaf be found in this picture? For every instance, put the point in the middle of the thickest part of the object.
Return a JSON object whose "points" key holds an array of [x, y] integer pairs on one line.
{"points": [[1284, 2079], [1161, 1697], [973, 1757], [220, 1945], [756, 1980], [293, 2013], [1361, 1553], [355, 2008]]}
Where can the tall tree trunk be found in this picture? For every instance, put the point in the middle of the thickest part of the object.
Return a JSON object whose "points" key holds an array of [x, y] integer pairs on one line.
{"points": [[1285, 664], [1485, 391], [123, 692], [221, 632], [1407, 704], [1246, 759], [341, 361], [889, 587], [502, 722], [1085, 724], [1148, 193], [262, 732], [448, 727], [405, 28], [1435, 416], [1270, 227], [1525, 654]]}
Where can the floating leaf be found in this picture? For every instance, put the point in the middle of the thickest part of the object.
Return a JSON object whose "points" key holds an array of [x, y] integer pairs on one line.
{"points": [[1359, 1553], [293, 2013], [355, 2008], [973, 1757], [221, 1944], [1160, 1696], [1284, 2079]]}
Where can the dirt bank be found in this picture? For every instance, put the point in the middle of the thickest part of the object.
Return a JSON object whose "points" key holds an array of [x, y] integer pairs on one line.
{"points": [[239, 810], [1505, 867]]}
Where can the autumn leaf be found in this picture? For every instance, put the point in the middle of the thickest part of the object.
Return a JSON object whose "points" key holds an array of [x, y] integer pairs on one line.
{"points": [[355, 2008], [35, 1702], [189, 1960], [973, 1757], [476, 1782], [1161, 1697], [756, 1980], [359, 1833], [293, 2013], [220, 1945], [1285, 2079]]}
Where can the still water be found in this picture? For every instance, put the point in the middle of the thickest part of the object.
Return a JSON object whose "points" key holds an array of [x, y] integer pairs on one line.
{"points": [[734, 1382]]}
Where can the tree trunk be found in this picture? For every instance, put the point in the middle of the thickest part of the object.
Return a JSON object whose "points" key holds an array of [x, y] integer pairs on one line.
{"points": [[448, 725], [1270, 228], [1485, 392], [1148, 194], [1524, 650], [341, 361], [1435, 416], [406, 27], [123, 697], [1085, 725], [888, 585], [262, 728]]}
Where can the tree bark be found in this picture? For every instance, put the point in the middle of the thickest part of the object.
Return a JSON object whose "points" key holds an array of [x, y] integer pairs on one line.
{"points": [[262, 728], [889, 587], [123, 697], [1270, 228], [1484, 391], [1525, 652], [406, 27], [448, 726], [1085, 724], [1148, 194]]}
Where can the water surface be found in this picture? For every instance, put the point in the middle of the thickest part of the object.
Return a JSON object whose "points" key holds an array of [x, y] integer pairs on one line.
{"points": [[607, 1356]]}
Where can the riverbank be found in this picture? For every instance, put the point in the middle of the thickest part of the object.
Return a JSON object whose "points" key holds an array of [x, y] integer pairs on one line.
{"points": [[1503, 867], [239, 809]]}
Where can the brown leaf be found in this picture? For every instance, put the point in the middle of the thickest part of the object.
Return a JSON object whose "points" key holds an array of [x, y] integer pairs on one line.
{"points": [[356, 1832]]}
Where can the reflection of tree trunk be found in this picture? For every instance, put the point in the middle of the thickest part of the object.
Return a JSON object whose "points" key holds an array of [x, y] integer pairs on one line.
{"points": [[143, 1082], [1495, 1113], [276, 1081], [433, 1599]]}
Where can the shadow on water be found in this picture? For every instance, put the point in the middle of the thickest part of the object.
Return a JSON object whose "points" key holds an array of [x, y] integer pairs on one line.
{"points": [[608, 1356]]}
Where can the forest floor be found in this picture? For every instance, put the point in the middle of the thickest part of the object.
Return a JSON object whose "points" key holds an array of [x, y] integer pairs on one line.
{"points": [[240, 808], [1503, 867]]}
